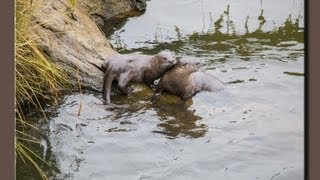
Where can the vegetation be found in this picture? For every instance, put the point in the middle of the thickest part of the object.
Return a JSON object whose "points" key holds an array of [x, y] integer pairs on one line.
{"points": [[37, 80]]}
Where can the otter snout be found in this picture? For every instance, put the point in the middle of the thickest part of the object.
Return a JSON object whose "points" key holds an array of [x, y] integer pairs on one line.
{"points": [[168, 56], [173, 61]]}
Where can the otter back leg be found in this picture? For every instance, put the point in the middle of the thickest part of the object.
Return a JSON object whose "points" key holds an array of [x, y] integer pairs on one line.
{"points": [[107, 84]]}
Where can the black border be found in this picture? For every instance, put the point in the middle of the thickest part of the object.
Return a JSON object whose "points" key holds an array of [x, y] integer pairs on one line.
{"points": [[313, 99], [7, 90], [306, 94]]}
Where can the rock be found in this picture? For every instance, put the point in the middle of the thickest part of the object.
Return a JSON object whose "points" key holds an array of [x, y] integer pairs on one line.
{"points": [[101, 10], [72, 39]]}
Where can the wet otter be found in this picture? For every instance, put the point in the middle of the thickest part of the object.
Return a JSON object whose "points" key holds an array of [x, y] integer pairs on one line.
{"points": [[185, 80], [135, 68]]}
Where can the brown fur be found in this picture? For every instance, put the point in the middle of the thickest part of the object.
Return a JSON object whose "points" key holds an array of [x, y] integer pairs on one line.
{"points": [[185, 81], [135, 68]]}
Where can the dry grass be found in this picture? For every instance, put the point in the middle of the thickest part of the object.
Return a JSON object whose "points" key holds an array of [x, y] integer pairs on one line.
{"points": [[37, 80], [36, 76]]}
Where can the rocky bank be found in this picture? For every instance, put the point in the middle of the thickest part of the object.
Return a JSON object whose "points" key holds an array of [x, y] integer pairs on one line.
{"points": [[71, 37]]}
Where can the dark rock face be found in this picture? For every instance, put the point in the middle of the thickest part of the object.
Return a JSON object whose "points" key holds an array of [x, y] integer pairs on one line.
{"points": [[185, 80], [102, 10], [135, 68], [139, 5]]}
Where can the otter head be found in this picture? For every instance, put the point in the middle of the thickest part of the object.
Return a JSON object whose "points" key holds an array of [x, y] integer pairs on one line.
{"points": [[168, 56], [188, 61], [165, 60], [104, 66], [160, 64]]}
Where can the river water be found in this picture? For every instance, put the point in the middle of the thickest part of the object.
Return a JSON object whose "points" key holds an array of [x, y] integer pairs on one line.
{"points": [[253, 129]]}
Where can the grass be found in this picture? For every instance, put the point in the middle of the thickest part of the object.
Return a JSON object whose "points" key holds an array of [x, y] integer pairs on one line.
{"points": [[38, 80]]}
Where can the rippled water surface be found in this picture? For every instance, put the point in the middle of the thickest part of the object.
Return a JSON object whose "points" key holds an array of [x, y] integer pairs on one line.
{"points": [[253, 129]]}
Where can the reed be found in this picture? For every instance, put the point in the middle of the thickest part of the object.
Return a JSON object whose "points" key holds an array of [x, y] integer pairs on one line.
{"points": [[38, 80]]}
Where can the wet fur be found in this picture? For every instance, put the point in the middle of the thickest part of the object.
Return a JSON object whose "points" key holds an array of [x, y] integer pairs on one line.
{"points": [[134, 68], [185, 80]]}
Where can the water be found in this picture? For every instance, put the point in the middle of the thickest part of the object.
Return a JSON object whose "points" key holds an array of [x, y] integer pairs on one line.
{"points": [[254, 129]]}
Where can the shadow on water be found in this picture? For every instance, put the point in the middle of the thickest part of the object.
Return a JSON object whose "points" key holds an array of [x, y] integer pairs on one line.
{"points": [[37, 144], [176, 118], [116, 23]]}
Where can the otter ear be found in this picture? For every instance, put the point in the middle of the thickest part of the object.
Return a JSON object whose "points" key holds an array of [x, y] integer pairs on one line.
{"points": [[157, 56], [160, 56], [104, 66]]}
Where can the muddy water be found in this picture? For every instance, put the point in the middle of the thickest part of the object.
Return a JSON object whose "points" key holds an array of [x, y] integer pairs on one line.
{"points": [[254, 129]]}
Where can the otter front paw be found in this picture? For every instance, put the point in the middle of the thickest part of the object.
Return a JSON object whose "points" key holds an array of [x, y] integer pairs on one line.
{"points": [[153, 87], [129, 90], [155, 97]]}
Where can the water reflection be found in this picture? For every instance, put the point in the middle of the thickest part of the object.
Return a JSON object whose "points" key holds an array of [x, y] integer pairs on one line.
{"points": [[36, 143], [178, 120], [174, 115], [217, 41], [117, 22]]}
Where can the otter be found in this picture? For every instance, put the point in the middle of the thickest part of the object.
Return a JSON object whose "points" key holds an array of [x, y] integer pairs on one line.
{"points": [[126, 68], [185, 80]]}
